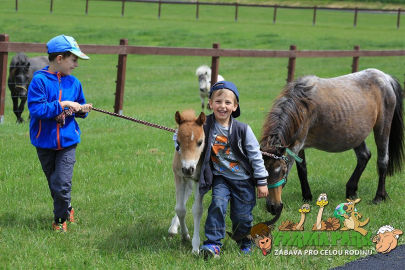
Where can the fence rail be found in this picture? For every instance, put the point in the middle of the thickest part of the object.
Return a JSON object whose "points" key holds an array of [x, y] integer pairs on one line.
{"points": [[237, 5], [215, 53]]}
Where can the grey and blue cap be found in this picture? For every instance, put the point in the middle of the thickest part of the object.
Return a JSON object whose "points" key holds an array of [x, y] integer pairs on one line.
{"points": [[230, 86], [64, 43]]}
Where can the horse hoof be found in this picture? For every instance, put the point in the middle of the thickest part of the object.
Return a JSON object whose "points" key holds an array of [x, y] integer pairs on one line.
{"points": [[20, 121], [186, 238], [379, 199], [307, 198], [351, 195], [171, 235]]}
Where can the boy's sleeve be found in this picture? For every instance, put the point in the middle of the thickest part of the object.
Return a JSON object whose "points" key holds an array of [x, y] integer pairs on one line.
{"points": [[255, 158], [81, 100], [38, 104]]}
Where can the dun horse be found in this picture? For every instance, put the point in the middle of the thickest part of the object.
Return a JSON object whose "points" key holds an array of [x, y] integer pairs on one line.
{"points": [[20, 73], [189, 141], [334, 115]]}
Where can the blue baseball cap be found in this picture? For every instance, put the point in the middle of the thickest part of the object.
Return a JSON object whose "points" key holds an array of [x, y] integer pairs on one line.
{"points": [[64, 43], [230, 86]]}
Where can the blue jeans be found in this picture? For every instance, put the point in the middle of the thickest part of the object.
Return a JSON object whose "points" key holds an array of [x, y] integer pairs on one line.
{"points": [[58, 168], [242, 197]]}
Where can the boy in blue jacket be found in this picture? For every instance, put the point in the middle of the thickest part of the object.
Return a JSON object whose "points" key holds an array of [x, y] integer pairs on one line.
{"points": [[55, 98], [233, 167]]}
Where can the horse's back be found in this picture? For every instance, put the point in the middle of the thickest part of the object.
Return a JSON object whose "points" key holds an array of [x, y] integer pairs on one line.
{"points": [[346, 108], [37, 63]]}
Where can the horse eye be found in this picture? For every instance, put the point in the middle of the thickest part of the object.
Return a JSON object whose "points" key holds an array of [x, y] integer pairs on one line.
{"points": [[199, 143], [178, 143]]}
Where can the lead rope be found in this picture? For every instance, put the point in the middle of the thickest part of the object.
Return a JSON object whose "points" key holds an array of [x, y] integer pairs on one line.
{"points": [[160, 127], [135, 120]]}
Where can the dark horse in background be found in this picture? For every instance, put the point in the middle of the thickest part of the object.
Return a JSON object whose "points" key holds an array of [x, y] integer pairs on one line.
{"points": [[20, 75], [334, 115]]}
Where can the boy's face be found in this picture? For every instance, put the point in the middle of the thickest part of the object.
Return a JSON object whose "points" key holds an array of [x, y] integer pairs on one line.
{"points": [[68, 64], [223, 104]]}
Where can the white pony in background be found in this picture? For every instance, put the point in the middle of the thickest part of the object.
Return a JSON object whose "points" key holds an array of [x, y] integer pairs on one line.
{"points": [[204, 79]]}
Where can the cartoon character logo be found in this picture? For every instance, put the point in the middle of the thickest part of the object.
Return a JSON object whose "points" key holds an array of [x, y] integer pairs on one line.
{"points": [[351, 218], [330, 224], [291, 226], [386, 239], [261, 235]]}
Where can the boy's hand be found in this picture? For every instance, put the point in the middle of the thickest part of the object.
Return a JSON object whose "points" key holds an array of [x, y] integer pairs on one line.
{"points": [[85, 108], [71, 104], [262, 191]]}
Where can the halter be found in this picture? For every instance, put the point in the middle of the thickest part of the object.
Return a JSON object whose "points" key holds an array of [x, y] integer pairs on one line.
{"points": [[283, 181], [20, 86]]}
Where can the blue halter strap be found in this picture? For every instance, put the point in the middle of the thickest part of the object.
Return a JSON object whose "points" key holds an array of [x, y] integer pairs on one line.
{"points": [[285, 158]]}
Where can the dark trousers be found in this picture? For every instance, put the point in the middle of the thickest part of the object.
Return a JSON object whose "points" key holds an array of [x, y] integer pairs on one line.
{"points": [[58, 168], [242, 197]]}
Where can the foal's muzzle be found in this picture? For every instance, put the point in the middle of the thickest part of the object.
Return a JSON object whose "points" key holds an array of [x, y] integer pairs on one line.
{"points": [[188, 171]]}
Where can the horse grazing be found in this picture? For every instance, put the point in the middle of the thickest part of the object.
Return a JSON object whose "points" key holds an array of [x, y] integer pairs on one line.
{"points": [[20, 73], [204, 79], [189, 141], [334, 115]]}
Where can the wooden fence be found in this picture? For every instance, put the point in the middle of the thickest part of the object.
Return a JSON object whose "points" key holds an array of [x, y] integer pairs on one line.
{"points": [[237, 5], [215, 53]]}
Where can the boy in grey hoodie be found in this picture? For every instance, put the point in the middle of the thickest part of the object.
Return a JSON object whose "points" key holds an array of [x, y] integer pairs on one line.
{"points": [[233, 166]]}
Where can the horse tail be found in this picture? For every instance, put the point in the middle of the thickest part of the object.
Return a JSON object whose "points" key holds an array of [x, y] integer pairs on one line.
{"points": [[396, 142]]}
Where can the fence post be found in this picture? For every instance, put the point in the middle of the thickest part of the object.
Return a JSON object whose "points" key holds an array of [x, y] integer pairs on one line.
{"points": [[16, 5], [398, 17], [159, 7], [355, 17], [51, 6], [291, 65], [214, 66], [87, 7], [122, 65], [3, 77], [123, 8], [355, 63], [236, 11], [275, 14], [314, 18], [197, 9]]}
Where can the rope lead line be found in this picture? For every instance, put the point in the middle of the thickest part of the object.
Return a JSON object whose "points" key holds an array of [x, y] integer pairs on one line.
{"points": [[135, 120], [153, 125]]}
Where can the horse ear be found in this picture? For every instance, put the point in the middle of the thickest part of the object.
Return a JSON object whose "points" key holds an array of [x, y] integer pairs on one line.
{"points": [[177, 117], [201, 119]]}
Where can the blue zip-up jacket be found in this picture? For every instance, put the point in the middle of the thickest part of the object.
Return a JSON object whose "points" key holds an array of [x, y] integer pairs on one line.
{"points": [[44, 93]]}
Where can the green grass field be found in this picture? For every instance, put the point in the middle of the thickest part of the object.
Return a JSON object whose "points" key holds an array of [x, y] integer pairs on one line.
{"points": [[123, 187]]}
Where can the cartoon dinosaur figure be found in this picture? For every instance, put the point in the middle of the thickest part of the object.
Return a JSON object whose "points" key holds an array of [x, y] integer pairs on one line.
{"points": [[331, 224], [290, 226], [351, 218]]}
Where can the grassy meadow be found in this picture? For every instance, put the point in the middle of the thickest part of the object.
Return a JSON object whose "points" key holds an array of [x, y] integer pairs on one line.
{"points": [[123, 189]]}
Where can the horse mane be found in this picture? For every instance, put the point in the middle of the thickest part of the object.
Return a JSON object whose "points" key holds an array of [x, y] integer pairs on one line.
{"points": [[289, 111]]}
